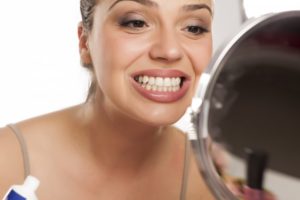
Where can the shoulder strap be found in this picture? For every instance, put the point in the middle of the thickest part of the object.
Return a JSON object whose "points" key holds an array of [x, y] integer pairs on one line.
{"points": [[23, 146], [184, 182]]}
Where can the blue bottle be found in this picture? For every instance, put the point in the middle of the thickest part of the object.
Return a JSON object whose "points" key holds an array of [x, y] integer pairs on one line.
{"points": [[25, 191]]}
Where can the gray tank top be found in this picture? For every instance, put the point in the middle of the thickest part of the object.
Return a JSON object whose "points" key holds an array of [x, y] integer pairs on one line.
{"points": [[26, 162], [24, 149]]}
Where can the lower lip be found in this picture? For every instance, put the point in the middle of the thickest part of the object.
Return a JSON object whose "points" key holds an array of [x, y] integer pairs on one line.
{"points": [[162, 97]]}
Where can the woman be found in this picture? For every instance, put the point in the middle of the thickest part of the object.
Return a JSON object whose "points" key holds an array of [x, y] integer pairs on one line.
{"points": [[145, 59]]}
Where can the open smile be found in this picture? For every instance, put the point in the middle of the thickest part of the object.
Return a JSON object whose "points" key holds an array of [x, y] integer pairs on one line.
{"points": [[163, 86]]}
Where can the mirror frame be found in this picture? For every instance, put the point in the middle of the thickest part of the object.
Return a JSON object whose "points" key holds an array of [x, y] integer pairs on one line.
{"points": [[200, 109]]}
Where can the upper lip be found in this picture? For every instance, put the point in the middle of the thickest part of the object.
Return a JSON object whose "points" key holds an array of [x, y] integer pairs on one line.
{"points": [[162, 73]]}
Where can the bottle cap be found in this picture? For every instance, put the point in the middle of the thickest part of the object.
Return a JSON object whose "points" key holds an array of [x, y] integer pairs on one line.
{"points": [[31, 183]]}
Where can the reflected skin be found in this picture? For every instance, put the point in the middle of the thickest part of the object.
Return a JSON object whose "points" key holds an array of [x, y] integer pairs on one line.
{"points": [[119, 144]]}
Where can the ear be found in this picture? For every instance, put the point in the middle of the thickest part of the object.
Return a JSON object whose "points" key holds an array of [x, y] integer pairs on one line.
{"points": [[83, 45]]}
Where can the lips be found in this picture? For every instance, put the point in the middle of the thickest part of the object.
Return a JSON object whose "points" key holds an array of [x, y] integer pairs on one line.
{"points": [[163, 86]]}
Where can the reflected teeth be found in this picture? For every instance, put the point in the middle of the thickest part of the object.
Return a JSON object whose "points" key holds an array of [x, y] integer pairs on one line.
{"points": [[159, 83]]}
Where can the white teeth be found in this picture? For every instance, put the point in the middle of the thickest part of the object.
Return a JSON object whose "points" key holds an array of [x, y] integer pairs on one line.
{"points": [[168, 84], [145, 79], [159, 81], [151, 80], [154, 87], [173, 80], [140, 79], [148, 87]]}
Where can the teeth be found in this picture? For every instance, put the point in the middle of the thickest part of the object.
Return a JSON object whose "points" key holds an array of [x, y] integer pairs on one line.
{"points": [[168, 84], [140, 79], [159, 81], [154, 87], [148, 87], [152, 81], [145, 79]]}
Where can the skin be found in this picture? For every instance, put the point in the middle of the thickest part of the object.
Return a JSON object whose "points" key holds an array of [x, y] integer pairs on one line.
{"points": [[81, 152], [161, 45]]}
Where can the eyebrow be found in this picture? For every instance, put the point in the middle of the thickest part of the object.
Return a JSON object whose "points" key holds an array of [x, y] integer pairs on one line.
{"points": [[193, 7], [144, 2], [190, 7]]}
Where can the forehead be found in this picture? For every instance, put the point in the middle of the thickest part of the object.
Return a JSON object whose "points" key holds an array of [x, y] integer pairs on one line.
{"points": [[159, 3]]}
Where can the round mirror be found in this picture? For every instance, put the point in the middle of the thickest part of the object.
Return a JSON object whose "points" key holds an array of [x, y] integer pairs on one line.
{"points": [[248, 123]]}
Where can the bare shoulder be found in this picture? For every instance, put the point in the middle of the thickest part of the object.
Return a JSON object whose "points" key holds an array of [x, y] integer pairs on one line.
{"points": [[39, 133], [11, 170]]}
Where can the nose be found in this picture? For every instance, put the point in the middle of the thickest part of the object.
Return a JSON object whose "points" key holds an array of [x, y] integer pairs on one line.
{"points": [[166, 47]]}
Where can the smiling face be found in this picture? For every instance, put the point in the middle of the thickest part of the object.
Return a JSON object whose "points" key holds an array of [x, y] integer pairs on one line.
{"points": [[148, 56]]}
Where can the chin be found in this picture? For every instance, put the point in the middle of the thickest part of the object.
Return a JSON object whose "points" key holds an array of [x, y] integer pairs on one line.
{"points": [[161, 118]]}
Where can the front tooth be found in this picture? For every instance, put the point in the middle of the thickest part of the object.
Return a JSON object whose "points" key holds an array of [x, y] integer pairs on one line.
{"points": [[145, 79], [167, 82], [159, 81], [151, 80]]}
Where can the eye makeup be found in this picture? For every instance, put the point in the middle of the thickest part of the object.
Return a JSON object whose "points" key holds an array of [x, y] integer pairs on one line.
{"points": [[133, 22]]}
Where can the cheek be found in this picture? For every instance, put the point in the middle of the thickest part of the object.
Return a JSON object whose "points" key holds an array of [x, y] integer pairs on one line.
{"points": [[200, 55], [120, 50], [113, 54]]}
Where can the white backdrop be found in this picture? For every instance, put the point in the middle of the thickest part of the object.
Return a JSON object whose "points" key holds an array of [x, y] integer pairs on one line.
{"points": [[39, 61]]}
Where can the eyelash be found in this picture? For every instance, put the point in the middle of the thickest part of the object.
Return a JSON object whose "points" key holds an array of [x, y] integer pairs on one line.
{"points": [[199, 29], [133, 24], [138, 24]]}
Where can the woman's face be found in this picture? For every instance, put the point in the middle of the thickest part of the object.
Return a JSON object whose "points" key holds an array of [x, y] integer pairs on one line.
{"points": [[148, 55]]}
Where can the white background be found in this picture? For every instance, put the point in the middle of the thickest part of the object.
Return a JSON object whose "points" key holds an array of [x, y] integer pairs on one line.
{"points": [[39, 62], [40, 67]]}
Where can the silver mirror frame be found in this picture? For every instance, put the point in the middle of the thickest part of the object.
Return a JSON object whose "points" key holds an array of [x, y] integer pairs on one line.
{"points": [[201, 109]]}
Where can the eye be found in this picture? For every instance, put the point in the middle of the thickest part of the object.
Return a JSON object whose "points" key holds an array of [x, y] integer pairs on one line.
{"points": [[134, 24], [196, 30]]}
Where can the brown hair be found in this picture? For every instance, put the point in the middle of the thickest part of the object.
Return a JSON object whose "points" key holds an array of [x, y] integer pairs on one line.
{"points": [[87, 11]]}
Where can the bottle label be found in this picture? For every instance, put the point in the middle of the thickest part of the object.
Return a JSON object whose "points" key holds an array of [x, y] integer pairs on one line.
{"points": [[14, 196]]}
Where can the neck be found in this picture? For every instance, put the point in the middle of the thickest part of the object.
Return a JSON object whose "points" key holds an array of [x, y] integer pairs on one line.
{"points": [[117, 141]]}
